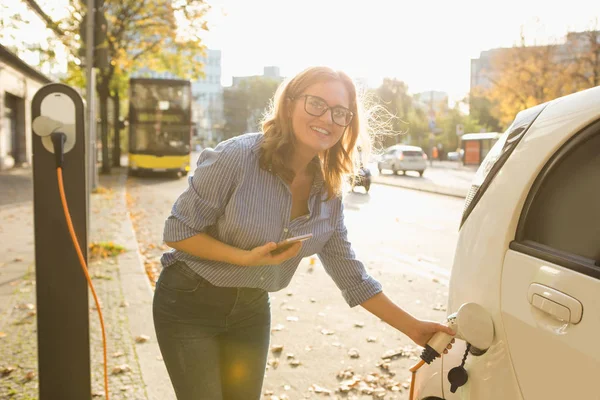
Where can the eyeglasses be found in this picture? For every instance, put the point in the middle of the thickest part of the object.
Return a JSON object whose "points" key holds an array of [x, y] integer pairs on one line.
{"points": [[316, 107]]}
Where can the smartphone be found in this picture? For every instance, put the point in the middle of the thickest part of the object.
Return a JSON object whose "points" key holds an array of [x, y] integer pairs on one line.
{"points": [[287, 243]]}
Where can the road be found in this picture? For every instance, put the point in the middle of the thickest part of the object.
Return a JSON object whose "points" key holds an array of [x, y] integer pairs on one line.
{"points": [[405, 238]]}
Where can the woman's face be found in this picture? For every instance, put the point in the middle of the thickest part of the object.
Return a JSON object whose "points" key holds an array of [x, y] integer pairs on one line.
{"points": [[318, 133]]}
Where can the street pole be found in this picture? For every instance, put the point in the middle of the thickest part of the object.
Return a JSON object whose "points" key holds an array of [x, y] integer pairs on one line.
{"points": [[90, 98]]}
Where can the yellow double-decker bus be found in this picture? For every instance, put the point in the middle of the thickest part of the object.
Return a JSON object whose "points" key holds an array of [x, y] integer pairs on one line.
{"points": [[160, 126]]}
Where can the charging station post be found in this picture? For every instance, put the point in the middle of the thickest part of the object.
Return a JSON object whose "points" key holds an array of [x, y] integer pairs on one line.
{"points": [[61, 287]]}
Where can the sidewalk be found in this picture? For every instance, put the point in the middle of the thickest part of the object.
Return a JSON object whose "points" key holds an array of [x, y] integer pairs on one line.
{"points": [[443, 177], [121, 284]]}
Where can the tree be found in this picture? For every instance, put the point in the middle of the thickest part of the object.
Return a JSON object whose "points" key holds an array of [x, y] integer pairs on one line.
{"points": [[235, 112], [585, 53], [159, 35], [525, 76], [480, 110], [245, 105]]}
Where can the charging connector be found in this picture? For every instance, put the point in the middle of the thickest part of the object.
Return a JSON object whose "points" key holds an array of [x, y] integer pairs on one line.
{"points": [[58, 141]]}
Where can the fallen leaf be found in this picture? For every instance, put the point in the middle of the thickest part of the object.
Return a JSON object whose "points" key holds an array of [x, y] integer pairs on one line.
{"points": [[121, 369], [383, 365], [346, 373], [30, 375], [353, 353], [295, 363], [319, 389], [277, 348], [142, 339], [7, 370]]}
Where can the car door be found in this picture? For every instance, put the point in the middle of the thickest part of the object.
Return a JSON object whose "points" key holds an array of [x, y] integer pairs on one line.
{"points": [[550, 294], [389, 158]]}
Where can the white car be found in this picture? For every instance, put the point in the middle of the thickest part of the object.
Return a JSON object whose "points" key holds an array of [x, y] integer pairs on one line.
{"points": [[529, 253], [403, 158]]}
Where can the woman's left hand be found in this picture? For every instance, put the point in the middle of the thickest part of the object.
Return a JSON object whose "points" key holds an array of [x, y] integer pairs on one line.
{"points": [[423, 331]]}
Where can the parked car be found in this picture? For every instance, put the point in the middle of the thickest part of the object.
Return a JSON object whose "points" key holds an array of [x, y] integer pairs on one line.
{"points": [[455, 155], [403, 158], [529, 253]]}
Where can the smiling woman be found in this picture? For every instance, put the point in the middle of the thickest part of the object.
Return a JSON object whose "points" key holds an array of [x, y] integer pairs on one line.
{"points": [[315, 114], [211, 304]]}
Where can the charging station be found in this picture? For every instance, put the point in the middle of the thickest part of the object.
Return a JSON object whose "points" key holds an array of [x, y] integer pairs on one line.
{"points": [[61, 288]]}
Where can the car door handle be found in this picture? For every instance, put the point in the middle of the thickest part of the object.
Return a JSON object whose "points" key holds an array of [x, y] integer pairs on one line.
{"points": [[558, 304]]}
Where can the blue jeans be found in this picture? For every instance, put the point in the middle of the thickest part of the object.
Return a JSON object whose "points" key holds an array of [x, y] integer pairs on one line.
{"points": [[214, 340]]}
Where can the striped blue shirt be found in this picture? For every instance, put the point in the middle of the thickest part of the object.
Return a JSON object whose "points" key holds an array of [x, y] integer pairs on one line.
{"points": [[235, 201]]}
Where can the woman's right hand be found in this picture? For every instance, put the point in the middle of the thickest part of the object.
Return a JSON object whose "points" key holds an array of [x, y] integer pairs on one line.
{"points": [[261, 255]]}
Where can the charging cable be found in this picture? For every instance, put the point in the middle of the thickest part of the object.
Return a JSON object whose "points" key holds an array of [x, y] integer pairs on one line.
{"points": [[58, 141]]}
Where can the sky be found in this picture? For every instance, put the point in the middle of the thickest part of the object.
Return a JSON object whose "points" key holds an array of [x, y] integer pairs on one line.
{"points": [[426, 43]]}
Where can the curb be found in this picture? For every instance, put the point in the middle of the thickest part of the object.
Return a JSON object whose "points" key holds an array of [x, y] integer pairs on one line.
{"points": [[446, 191], [138, 294]]}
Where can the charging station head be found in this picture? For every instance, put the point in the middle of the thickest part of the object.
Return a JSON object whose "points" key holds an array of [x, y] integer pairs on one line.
{"points": [[44, 126], [475, 326]]}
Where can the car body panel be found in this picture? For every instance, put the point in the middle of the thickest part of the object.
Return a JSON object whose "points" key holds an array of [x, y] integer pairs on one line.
{"points": [[486, 272]]}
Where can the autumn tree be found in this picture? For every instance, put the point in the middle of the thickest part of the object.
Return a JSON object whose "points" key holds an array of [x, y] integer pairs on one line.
{"points": [[158, 35], [584, 50]]}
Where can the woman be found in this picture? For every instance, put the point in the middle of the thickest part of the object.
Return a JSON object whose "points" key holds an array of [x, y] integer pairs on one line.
{"points": [[211, 305]]}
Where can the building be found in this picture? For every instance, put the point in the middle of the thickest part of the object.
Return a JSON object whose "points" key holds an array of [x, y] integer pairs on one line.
{"points": [[31, 56], [208, 100], [270, 72], [483, 71], [431, 101]]}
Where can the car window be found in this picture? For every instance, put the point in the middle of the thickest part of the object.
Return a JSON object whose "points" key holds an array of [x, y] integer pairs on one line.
{"points": [[564, 213]]}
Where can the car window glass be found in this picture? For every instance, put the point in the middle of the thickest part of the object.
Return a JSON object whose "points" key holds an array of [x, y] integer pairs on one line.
{"points": [[565, 215]]}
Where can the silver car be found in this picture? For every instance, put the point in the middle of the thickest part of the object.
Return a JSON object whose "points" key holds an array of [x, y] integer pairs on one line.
{"points": [[403, 158]]}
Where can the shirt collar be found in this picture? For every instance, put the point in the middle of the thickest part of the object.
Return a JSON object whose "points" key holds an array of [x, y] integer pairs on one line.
{"points": [[319, 179]]}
